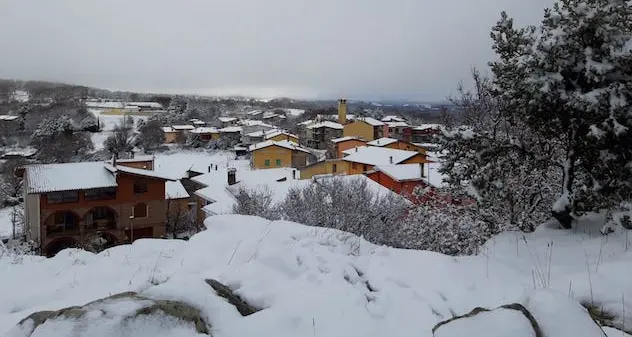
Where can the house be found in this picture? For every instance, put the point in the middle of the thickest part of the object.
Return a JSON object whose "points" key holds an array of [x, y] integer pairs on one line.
{"points": [[254, 114], [318, 135], [257, 136], [250, 126], [278, 135], [171, 135], [425, 133], [73, 204], [270, 154], [177, 133], [228, 121], [393, 118], [398, 130], [145, 106], [393, 143], [365, 127], [364, 158], [402, 179], [206, 133], [231, 133], [338, 145], [325, 167]]}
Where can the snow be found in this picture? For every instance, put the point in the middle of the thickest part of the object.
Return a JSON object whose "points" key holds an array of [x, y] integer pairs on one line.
{"points": [[326, 124], [167, 129], [175, 190], [370, 121], [43, 178], [141, 172], [384, 141], [178, 164], [183, 127], [427, 126], [433, 176], [250, 122], [373, 155], [402, 172], [316, 281], [393, 118], [498, 323], [344, 139], [396, 124], [154, 105], [295, 112], [105, 105], [290, 145], [205, 130], [108, 124], [227, 119], [230, 129], [6, 228], [8, 117], [280, 133]]}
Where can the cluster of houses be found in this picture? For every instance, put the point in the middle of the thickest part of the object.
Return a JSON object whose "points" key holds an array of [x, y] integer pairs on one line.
{"points": [[121, 200]]}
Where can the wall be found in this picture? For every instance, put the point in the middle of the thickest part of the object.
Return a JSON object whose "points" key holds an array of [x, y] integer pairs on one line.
{"points": [[324, 167], [144, 164], [405, 188], [170, 137], [271, 153], [399, 145], [359, 129], [357, 168], [416, 159], [299, 159], [349, 144]]}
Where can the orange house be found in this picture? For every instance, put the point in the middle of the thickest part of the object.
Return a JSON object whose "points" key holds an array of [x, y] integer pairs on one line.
{"points": [[402, 179], [77, 204], [345, 143], [364, 158]]}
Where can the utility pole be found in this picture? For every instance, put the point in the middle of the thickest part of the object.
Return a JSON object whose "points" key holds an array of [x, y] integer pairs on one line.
{"points": [[131, 227]]}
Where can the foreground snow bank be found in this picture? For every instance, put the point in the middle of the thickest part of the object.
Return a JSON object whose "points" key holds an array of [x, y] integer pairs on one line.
{"points": [[315, 281]]}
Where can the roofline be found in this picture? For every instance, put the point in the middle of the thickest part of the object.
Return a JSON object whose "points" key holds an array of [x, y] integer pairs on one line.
{"points": [[320, 162]]}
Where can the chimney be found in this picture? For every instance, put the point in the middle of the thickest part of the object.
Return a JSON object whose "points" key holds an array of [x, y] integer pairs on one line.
{"points": [[215, 167], [421, 167], [390, 159], [342, 111], [356, 149], [293, 174], [209, 167], [232, 176]]}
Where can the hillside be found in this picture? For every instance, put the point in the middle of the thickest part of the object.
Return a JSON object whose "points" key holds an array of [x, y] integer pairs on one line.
{"points": [[316, 282]]}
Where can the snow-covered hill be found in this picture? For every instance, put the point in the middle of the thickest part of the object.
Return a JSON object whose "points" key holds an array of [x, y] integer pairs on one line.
{"points": [[309, 281]]}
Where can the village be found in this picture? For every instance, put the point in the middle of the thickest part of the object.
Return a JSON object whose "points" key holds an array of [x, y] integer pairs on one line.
{"points": [[170, 194]]}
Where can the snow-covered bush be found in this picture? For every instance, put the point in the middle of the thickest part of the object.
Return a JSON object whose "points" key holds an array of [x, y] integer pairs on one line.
{"points": [[56, 140], [90, 124]]}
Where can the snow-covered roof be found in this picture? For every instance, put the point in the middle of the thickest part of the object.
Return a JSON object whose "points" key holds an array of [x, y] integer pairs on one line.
{"points": [[370, 121], [269, 114], [230, 129], [427, 126], [403, 172], [344, 139], [198, 122], [8, 117], [326, 124], [284, 143], [183, 127], [136, 159], [295, 112], [373, 155], [205, 130], [227, 119], [260, 133], [155, 105], [167, 129], [44, 178], [175, 190], [307, 122], [382, 141], [140, 172], [393, 118], [254, 112], [251, 122], [275, 133], [397, 124], [105, 105]]}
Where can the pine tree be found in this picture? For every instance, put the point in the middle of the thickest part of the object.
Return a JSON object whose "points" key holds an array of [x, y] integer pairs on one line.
{"points": [[569, 83]]}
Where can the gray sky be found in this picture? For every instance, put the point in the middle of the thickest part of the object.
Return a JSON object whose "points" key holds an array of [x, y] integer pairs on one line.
{"points": [[412, 49]]}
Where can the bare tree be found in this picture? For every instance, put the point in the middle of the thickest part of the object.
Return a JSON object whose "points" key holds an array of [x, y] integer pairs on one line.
{"points": [[11, 184], [180, 219], [150, 134], [121, 140]]}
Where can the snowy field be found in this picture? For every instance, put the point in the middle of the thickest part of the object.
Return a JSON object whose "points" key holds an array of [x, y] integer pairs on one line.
{"points": [[318, 282], [108, 123]]}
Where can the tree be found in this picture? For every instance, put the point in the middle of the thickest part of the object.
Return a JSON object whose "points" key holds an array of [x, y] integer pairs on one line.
{"points": [[121, 140], [150, 134], [11, 184], [90, 124], [255, 202], [180, 220], [500, 158], [22, 113], [56, 140], [570, 80]]}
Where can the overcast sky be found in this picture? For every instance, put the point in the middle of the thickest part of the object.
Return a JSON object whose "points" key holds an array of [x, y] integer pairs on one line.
{"points": [[400, 49]]}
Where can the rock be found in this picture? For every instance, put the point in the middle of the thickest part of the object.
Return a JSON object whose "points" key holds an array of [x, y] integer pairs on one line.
{"points": [[124, 314], [512, 320], [242, 306]]}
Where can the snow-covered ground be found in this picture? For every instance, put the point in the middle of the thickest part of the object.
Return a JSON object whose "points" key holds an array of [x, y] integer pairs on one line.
{"points": [[6, 227], [108, 123], [320, 282]]}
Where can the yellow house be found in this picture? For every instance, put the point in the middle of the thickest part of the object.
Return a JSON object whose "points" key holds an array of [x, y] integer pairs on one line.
{"points": [[275, 154], [170, 134], [332, 166], [398, 144], [363, 158], [279, 136], [366, 128]]}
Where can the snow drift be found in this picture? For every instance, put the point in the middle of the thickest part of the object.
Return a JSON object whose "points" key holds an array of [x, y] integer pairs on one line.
{"points": [[314, 282]]}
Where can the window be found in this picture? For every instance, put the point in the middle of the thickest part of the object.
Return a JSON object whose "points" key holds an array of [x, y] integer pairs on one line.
{"points": [[267, 162], [100, 193], [140, 210], [140, 187], [334, 168], [62, 197], [278, 162]]}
